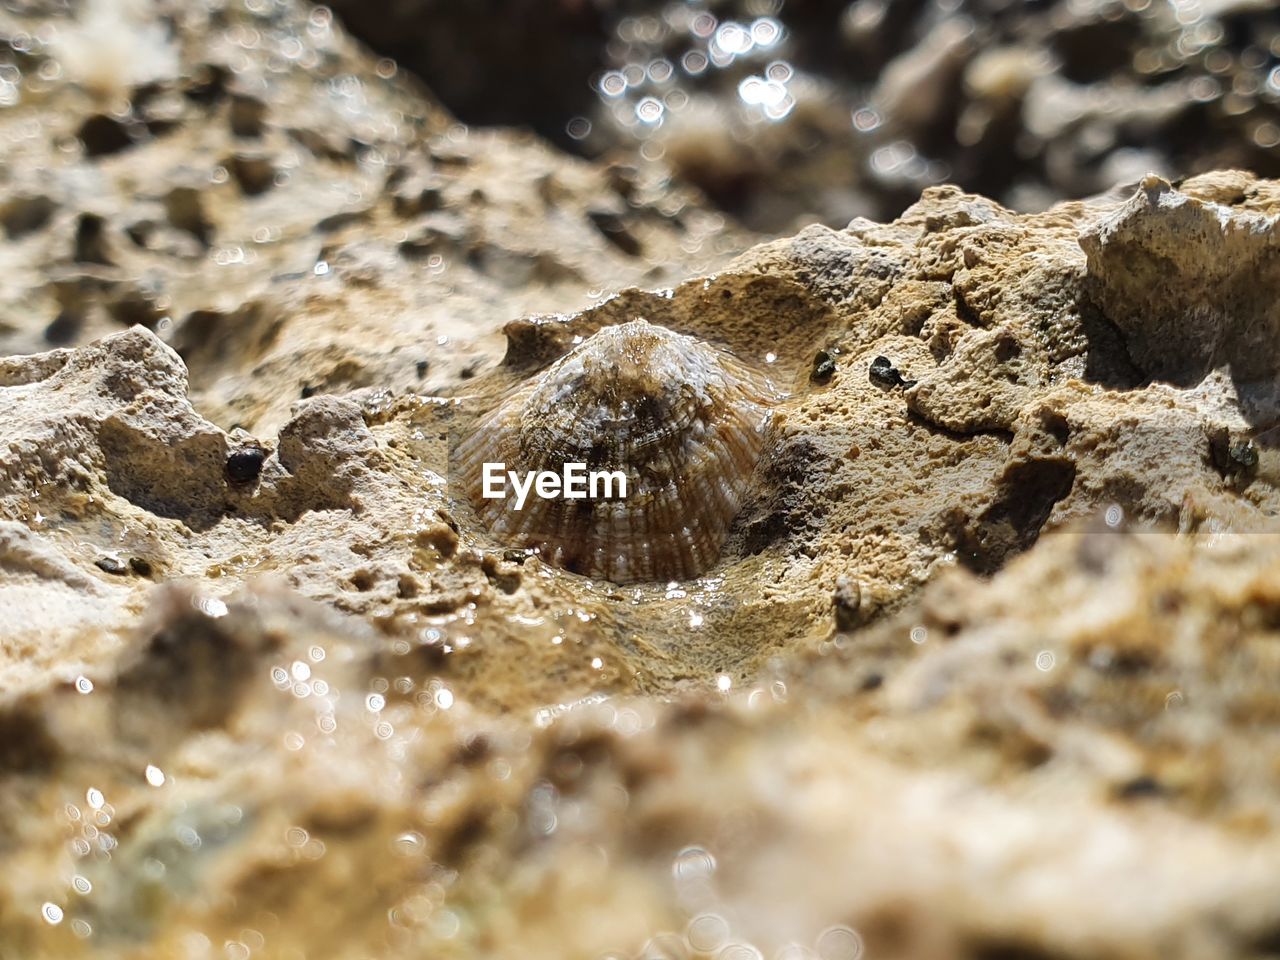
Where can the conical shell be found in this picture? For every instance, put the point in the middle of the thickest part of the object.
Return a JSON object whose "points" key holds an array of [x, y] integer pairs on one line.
{"points": [[681, 419]]}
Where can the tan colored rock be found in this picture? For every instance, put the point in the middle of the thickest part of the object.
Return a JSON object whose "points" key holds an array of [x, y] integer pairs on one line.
{"points": [[986, 666], [1190, 283]]}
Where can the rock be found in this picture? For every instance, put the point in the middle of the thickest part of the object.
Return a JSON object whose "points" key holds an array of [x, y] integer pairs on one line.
{"points": [[1189, 283], [1003, 571]]}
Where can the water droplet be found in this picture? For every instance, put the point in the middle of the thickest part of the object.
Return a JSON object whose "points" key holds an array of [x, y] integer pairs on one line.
{"points": [[693, 863], [660, 71], [650, 110], [707, 932], [839, 943], [766, 31], [52, 913], [739, 951], [694, 62], [733, 39], [613, 84], [410, 843], [155, 776], [211, 607], [866, 120]]}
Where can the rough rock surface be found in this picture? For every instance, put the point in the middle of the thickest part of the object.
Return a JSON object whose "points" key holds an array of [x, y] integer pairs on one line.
{"points": [[1180, 247], [1014, 407], [263, 179], [986, 668]]}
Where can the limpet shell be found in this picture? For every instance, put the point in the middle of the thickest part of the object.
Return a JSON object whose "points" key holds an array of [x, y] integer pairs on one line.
{"points": [[682, 419]]}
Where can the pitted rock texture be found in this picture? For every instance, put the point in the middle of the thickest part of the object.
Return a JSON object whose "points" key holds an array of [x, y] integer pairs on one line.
{"points": [[340, 606], [1191, 282], [985, 668], [266, 179]]}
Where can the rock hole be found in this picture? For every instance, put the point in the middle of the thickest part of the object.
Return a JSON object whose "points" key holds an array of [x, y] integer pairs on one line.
{"points": [[1007, 348], [1055, 424], [614, 229], [1025, 497], [103, 135], [208, 84], [184, 206], [64, 327], [24, 215], [91, 240], [247, 116], [254, 173]]}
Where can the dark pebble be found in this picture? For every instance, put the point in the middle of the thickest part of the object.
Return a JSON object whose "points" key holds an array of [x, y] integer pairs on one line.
{"points": [[885, 374], [1233, 457], [109, 563], [824, 367], [1243, 455], [244, 465]]}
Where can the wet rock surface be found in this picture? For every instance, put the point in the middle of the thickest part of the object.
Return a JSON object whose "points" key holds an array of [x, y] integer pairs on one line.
{"points": [[984, 669]]}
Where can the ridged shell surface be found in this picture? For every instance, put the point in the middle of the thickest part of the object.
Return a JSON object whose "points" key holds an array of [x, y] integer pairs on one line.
{"points": [[681, 419]]}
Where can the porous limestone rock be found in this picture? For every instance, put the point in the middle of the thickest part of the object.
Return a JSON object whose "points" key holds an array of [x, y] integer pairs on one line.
{"points": [[1191, 282], [985, 668]]}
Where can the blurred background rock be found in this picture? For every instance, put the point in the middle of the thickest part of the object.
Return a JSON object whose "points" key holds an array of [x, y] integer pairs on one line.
{"points": [[786, 111]]}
